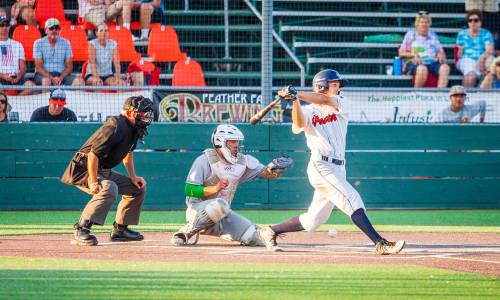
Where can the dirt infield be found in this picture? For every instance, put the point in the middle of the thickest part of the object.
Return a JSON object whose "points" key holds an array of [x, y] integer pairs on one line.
{"points": [[475, 253]]}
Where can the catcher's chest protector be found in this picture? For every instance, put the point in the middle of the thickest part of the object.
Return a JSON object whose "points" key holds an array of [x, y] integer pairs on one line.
{"points": [[231, 172]]}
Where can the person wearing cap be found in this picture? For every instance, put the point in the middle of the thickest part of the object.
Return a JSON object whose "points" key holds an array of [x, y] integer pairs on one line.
{"points": [[475, 49], [90, 170], [53, 58], [12, 61], [492, 78], [458, 112], [423, 53], [4, 108], [55, 111]]}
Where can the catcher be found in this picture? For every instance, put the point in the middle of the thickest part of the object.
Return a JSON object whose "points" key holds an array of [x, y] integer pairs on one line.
{"points": [[211, 185]]}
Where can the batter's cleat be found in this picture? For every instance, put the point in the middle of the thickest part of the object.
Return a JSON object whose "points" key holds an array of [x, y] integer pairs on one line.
{"points": [[268, 238], [82, 236], [385, 247], [121, 233]]}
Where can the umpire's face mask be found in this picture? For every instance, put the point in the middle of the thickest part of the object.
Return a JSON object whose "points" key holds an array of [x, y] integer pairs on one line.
{"points": [[142, 122]]}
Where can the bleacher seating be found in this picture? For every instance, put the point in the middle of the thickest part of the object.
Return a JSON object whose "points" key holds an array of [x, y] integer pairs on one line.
{"points": [[75, 34], [188, 72], [163, 44], [321, 34], [26, 35], [46, 9]]}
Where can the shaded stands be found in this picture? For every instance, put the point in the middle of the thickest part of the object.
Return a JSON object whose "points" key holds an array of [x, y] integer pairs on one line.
{"points": [[322, 34]]}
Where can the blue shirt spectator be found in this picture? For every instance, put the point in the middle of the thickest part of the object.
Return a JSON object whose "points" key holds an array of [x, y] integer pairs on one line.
{"points": [[474, 46]]}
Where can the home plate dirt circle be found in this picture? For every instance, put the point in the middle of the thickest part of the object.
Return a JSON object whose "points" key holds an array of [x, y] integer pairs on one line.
{"points": [[466, 252]]}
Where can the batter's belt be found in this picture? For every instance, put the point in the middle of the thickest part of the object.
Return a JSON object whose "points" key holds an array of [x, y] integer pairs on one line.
{"points": [[332, 160]]}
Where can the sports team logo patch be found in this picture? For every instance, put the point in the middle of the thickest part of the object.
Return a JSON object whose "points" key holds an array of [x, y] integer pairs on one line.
{"points": [[322, 121]]}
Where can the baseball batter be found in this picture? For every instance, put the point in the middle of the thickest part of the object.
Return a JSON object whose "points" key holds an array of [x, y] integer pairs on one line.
{"points": [[211, 185], [324, 123]]}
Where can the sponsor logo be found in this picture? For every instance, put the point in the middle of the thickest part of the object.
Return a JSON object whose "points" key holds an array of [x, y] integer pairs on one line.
{"points": [[411, 117], [322, 121]]}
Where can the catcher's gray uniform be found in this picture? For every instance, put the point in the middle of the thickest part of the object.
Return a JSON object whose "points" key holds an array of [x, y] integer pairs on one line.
{"points": [[212, 215]]}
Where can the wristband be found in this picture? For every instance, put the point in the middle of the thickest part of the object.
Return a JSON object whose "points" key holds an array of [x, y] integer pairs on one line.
{"points": [[194, 190]]}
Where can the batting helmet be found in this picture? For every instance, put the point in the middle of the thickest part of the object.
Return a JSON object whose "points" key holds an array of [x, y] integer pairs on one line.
{"points": [[323, 77]]}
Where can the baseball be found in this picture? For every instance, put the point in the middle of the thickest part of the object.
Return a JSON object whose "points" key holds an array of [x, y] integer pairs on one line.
{"points": [[332, 233]]}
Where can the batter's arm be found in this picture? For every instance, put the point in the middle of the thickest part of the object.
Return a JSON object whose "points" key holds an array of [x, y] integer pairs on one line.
{"points": [[318, 98]]}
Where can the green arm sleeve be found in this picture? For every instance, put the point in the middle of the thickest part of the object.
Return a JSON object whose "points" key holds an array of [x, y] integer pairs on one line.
{"points": [[193, 190]]}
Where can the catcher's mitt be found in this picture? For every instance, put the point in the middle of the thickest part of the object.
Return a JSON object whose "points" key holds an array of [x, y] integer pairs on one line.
{"points": [[279, 165]]}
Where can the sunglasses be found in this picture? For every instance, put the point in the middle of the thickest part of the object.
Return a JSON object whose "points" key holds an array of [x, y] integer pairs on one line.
{"points": [[3, 101], [4, 24], [497, 64], [57, 101], [474, 20], [55, 27], [422, 13]]}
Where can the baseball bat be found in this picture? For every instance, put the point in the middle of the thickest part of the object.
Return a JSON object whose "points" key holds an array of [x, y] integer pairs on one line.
{"points": [[261, 113]]}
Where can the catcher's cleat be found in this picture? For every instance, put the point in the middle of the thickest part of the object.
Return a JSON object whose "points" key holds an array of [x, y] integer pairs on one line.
{"points": [[82, 236], [121, 233], [385, 247], [268, 238]]}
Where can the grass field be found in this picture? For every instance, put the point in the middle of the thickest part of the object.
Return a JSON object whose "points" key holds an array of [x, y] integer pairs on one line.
{"points": [[480, 221], [90, 279], [102, 278]]}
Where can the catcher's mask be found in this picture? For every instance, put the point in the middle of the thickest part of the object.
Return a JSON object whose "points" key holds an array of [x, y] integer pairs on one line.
{"points": [[143, 109], [321, 79], [224, 133]]}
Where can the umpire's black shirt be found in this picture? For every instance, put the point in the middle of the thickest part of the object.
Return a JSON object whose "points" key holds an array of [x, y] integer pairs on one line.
{"points": [[110, 143]]}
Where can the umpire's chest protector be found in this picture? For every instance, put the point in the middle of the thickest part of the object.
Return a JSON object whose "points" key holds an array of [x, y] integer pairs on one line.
{"points": [[230, 172]]}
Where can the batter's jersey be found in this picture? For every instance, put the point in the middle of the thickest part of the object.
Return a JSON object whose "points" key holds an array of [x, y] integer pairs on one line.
{"points": [[325, 131], [201, 174]]}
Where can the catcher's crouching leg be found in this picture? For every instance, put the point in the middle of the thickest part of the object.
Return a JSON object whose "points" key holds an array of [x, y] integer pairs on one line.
{"points": [[207, 214]]}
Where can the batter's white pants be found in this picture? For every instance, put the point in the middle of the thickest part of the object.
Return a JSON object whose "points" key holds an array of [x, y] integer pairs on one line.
{"points": [[331, 189]]}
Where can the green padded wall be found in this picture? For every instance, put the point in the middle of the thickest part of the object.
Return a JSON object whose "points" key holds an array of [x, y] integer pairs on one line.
{"points": [[392, 166]]}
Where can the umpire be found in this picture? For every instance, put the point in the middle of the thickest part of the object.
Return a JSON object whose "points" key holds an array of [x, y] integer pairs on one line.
{"points": [[91, 171]]}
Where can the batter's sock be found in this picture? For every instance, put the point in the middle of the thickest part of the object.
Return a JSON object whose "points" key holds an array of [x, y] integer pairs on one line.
{"points": [[361, 220], [290, 225]]}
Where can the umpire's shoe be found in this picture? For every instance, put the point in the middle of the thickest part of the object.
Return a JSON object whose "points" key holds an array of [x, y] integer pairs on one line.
{"points": [[121, 233], [82, 236], [385, 247]]}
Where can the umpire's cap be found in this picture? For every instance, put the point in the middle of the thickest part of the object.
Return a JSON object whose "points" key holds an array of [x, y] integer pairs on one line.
{"points": [[323, 77]]}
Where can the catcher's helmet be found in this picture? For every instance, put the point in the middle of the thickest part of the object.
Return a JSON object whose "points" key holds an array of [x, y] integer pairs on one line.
{"points": [[223, 133], [323, 77]]}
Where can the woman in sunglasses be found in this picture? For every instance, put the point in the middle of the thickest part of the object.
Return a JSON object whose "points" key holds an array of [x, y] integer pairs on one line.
{"points": [[475, 49], [4, 108], [492, 78], [423, 53]]}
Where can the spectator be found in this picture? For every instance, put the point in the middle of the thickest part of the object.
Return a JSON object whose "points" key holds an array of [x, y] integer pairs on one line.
{"points": [[148, 9], [103, 54], [4, 108], [490, 13], [12, 62], [23, 12], [475, 49], [53, 58], [98, 12], [492, 78], [55, 111], [423, 53], [457, 112]]}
